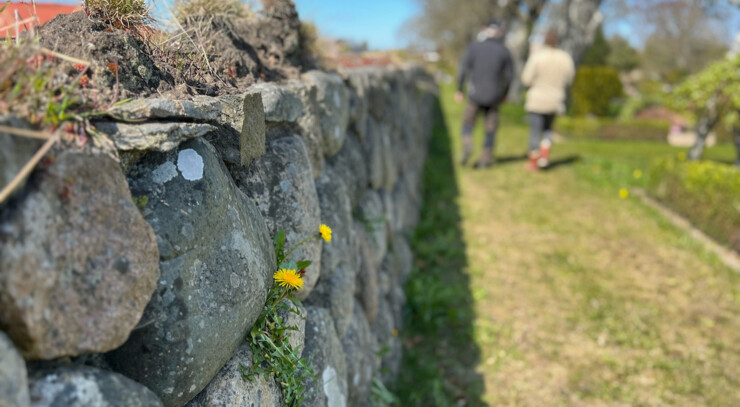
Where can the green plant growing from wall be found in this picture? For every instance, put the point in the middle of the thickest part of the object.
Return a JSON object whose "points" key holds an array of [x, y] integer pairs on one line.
{"points": [[271, 349]]}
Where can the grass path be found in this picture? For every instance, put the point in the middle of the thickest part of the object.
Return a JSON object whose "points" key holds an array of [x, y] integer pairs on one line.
{"points": [[579, 297]]}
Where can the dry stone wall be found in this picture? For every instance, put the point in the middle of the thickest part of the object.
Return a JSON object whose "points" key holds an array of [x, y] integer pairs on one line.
{"points": [[135, 283]]}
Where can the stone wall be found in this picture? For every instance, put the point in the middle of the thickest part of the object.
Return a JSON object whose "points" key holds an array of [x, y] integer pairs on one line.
{"points": [[135, 283]]}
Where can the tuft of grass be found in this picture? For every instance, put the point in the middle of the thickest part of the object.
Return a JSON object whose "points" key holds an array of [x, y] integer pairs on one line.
{"points": [[34, 85], [120, 14], [186, 10]]}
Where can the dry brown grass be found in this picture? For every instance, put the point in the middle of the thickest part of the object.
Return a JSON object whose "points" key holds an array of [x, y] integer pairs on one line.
{"points": [[121, 14], [186, 10]]}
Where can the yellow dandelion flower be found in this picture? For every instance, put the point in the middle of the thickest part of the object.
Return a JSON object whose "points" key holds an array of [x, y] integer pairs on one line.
{"points": [[325, 232], [623, 193], [288, 278], [637, 173], [394, 332], [682, 156]]}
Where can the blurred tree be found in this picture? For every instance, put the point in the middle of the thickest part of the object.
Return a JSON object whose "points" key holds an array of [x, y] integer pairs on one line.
{"points": [[577, 24], [713, 97], [622, 56], [598, 53]]}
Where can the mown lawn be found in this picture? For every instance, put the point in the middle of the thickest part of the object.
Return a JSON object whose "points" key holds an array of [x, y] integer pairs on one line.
{"points": [[548, 289]]}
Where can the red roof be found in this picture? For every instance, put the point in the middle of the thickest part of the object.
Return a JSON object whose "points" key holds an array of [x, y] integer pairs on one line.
{"points": [[44, 12]]}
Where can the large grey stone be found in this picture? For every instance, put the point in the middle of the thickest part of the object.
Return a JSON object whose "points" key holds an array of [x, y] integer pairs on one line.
{"points": [[371, 213], [16, 151], [325, 352], [385, 330], [281, 185], [360, 348], [152, 136], [403, 256], [311, 130], [332, 98], [204, 109], [244, 115], [78, 263], [372, 147], [229, 388], [216, 260], [336, 212], [349, 164], [13, 380], [366, 287], [336, 293], [282, 102], [83, 386], [358, 82]]}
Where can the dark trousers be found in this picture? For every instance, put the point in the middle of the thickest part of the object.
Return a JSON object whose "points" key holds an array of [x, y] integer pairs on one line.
{"points": [[540, 129], [491, 121]]}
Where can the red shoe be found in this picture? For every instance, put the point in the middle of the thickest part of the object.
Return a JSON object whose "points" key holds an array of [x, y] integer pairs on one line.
{"points": [[532, 163], [544, 158]]}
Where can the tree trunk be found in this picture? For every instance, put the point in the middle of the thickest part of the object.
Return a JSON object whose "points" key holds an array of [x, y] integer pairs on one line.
{"points": [[581, 19], [705, 124]]}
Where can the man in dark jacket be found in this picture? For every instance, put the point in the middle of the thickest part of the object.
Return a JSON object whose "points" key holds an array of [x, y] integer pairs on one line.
{"points": [[488, 64]]}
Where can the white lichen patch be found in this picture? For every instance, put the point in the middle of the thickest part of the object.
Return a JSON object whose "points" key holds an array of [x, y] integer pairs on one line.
{"points": [[164, 173], [190, 164], [334, 396]]}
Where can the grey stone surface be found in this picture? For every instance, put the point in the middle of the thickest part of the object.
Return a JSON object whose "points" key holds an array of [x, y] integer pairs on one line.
{"points": [[295, 318], [371, 213], [403, 256], [311, 129], [203, 109], [228, 388], [13, 380], [152, 136], [216, 261], [78, 263], [372, 146], [16, 151], [360, 348], [244, 115], [386, 331], [325, 351], [282, 102], [336, 212], [335, 292], [281, 185], [349, 164], [366, 287], [82, 386], [332, 97]]}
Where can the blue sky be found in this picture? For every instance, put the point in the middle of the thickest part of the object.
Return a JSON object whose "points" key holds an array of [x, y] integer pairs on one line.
{"points": [[377, 22]]}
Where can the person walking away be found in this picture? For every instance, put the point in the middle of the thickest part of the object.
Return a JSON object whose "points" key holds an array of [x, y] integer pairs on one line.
{"points": [[487, 63], [547, 74]]}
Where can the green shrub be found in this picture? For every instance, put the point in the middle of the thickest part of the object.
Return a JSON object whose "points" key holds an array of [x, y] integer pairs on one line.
{"points": [[594, 89], [705, 192], [609, 129]]}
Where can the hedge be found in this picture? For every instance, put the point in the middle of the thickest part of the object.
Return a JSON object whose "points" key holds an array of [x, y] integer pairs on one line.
{"points": [[610, 129], [594, 89], [707, 193]]}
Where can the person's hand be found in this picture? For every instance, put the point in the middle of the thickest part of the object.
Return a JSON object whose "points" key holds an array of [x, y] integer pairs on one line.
{"points": [[458, 97]]}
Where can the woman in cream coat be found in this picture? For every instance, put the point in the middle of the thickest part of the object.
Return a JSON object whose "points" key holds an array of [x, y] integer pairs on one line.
{"points": [[547, 74]]}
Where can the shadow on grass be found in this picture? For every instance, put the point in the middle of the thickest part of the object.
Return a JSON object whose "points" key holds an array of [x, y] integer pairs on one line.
{"points": [[561, 162], [440, 353], [511, 158]]}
